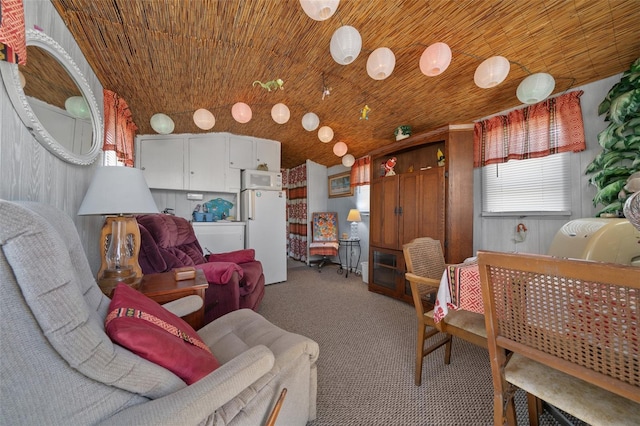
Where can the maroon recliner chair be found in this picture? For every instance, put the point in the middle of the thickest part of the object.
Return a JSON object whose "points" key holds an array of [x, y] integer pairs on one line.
{"points": [[235, 279]]}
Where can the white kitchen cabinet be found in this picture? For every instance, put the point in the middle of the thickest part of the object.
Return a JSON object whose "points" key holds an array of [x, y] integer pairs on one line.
{"points": [[161, 160], [206, 170], [219, 237], [248, 153], [268, 151]]}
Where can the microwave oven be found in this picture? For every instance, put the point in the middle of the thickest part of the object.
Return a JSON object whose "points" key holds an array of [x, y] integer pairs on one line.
{"points": [[259, 179]]}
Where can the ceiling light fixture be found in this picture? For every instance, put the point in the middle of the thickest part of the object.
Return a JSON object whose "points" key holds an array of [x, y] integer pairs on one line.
{"points": [[491, 72], [345, 45], [381, 63], [162, 123], [241, 112], [204, 119], [310, 121], [280, 113], [535, 88], [325, 134], [348, 160], [319, 10], [435, 59], [340, 149]]}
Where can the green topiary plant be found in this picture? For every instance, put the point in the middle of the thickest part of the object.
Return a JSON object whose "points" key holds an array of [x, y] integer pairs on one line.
{"points": [[620, 142]]}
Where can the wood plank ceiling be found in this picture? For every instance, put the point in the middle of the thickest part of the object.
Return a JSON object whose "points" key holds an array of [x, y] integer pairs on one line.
{"points": [[175, 56]]}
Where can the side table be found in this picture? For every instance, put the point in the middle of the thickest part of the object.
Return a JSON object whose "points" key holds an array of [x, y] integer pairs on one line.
{"points": [[349, 245], [164, 288]]}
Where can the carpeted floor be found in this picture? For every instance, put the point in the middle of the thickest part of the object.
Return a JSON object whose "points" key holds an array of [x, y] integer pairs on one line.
{"points": [[366, 363]]}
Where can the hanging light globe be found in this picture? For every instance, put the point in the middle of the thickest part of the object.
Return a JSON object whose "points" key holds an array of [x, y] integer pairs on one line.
{"points": [[162, 123], [491, 72], [435, 59], [241, 112], [319, 10], [340, 149], [23, 80], [348, 160], [381, 63], [280, 113], [77, 106], [535, 88], [310, 121], [325, 134], [204, 119], [345, 45]]}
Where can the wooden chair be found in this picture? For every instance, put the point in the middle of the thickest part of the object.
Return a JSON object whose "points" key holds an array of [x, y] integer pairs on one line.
{"points": [[324, 237], [425, 265], [571, 327]]}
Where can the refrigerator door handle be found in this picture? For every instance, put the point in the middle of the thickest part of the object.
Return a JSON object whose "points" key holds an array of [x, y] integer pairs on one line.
{"points": [[252, 206]]}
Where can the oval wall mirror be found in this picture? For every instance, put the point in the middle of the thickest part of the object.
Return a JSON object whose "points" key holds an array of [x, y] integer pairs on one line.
{"points": [[56, 103]]}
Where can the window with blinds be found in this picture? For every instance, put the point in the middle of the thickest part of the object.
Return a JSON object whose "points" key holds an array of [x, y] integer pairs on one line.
{"points": [[537, 186]]}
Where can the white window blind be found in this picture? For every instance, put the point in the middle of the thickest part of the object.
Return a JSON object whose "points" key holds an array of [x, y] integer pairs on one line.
{"points": [[525, 187]]}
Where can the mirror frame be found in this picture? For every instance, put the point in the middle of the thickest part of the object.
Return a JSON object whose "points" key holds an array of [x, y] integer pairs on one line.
{"points": [[11, 78]]}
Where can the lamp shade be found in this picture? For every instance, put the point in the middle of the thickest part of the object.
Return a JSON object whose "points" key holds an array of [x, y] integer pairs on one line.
{"points": [[241, 112], [535, 88], [319, 10], [435, 59], [77, 107], [162, 123], [354, 216], [340, 149], [348, 160], [491, 72], [325, 134], [280, 113], [117, 190], [345, 45], [310, 121], [204, 119], [381, 63]]}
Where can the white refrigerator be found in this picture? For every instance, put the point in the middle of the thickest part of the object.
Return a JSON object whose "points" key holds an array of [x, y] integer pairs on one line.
{"points": [[265, 215]]}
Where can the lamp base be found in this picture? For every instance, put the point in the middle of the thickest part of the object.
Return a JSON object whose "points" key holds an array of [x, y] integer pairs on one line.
{"points": [[133, 243], [112, 277], [354, 231]]}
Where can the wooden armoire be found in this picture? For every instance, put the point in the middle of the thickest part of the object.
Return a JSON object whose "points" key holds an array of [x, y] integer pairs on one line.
{"points": [[422, 199]]}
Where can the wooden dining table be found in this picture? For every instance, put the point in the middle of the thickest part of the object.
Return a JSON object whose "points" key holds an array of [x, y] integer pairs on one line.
{"points": [[459, 289]]}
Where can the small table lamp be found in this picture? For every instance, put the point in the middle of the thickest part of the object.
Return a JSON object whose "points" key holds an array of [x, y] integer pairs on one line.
{"points": [[118, 193], [354, 218]]}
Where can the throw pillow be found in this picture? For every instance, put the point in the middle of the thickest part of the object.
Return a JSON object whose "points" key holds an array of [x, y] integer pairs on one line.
{"points": [[238, 256], [144, 327]]}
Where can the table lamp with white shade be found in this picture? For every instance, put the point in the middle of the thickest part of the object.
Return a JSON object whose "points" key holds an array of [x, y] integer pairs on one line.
{"points": [[354, 218], [118, 193]]}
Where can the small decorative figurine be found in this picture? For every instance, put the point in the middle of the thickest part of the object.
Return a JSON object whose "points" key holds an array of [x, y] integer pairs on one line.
{"points": [[389, 165], [271, 85], [364, 113], [440, 158], [402, 132]]}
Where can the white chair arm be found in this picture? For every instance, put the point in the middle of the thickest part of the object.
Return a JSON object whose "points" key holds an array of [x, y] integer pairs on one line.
{"points": [[184, 306]]}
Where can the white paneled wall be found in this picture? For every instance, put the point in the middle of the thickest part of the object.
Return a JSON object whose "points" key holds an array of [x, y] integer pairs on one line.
{"points": [[30, 172], [497, 233]]}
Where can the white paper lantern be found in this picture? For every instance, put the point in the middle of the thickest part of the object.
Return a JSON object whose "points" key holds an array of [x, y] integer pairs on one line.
{"points": [[280, 113], [162, 123], [23, 80], [340, 149], [310, 121], [325, 134], [435, 59], [381, 63], [348, 160], [491, 72], [241, 112], [77, 107], [535, 88], [345, 45], [204, 119], [319, 10]]}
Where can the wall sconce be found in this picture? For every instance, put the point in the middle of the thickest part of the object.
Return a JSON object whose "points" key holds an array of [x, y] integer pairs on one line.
{"points": [[535, 88], [381, 63], [162, 123], [491, 72], [325, 134], [280, 113], [310, 121], [319, 10], [340, 149], [118, 193], [345, 45], [348, 160], [435, 59], [241, 112], [204, 119], [354, 218]]}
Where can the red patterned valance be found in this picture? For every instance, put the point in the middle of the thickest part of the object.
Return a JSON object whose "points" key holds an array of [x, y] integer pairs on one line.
{"points": [[13, 45]]}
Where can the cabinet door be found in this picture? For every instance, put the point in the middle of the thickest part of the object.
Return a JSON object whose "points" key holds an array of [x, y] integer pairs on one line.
{"points": [[431, 205], [384, 212], [242, 153], [409, 210], [162, 162], [206, 163], [268, 151]]}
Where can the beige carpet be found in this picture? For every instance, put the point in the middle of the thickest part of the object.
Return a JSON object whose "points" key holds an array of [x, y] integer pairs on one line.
{"points": [[366, 364]]}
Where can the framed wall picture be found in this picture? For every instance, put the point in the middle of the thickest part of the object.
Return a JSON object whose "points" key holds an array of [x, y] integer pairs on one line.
{"points": [[340, 185]]}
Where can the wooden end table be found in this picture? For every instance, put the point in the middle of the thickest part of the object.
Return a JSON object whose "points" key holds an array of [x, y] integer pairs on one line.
{"points": [[164, 288]]}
